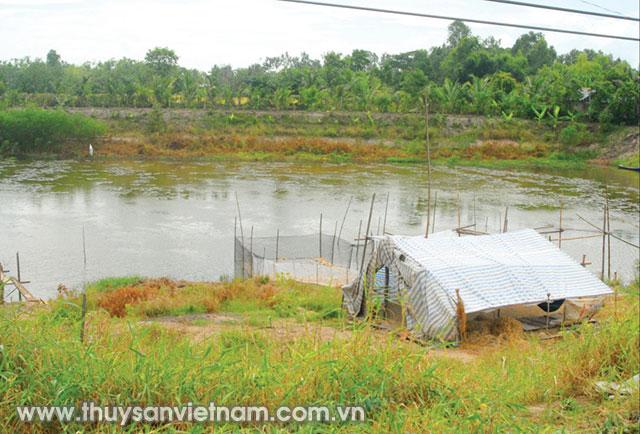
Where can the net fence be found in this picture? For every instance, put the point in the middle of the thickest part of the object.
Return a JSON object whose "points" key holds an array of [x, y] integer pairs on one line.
{"points": [[323, 259]]}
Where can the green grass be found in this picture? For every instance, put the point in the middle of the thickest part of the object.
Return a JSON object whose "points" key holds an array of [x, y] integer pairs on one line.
{"points": [[524, 385]]}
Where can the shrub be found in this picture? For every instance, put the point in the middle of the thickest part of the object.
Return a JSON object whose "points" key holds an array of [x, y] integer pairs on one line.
{"points": [[38, 130], [574, 135]]}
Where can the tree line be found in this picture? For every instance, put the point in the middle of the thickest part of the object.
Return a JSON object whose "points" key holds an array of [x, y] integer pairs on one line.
{"points": [[466, 75]]}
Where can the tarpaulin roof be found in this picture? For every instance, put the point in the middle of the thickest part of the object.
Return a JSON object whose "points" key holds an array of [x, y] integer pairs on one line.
{"points": [[490, 272], [498, 270]]}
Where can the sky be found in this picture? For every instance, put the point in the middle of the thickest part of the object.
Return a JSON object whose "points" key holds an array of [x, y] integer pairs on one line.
{"points": [[242, 32]]}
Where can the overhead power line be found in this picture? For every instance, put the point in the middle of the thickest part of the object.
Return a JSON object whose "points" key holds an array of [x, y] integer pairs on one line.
{"points": [[599, 7], [468, 20], [557, 8]]}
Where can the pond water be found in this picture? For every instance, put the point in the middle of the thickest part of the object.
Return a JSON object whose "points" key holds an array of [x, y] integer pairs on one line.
{"points": [[155, 218]]}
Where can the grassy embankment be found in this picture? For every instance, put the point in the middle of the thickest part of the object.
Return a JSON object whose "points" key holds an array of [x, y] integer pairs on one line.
{"points": [[284, 343], [333, 137]]}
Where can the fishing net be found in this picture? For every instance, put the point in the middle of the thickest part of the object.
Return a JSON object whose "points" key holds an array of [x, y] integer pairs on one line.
{"points": [[323, 259]]}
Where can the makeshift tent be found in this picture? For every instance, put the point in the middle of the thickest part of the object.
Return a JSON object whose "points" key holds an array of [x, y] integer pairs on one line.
{"points": [[518, 274]]}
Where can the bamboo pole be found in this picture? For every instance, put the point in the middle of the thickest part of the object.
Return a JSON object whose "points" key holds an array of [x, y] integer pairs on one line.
{"points": [[345, 217], [235, 242], [604, 236], [560, 227], [458, 201], [435, 207], [474, 210], [548, 308], [608, 241], [1, 284], [333, 241], [386, 209], [366, 239], [506, 219], [19, 276], [320, 238], [428, 145], [251, 250], [358, 245], [84, 287], [320, 255], [349, 263]]}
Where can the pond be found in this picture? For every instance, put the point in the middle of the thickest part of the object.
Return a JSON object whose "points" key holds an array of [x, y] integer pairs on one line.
{"points": [[176, 219]]}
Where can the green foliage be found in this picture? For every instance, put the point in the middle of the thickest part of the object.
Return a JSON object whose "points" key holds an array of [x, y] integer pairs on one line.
{"points": [[155, 122], [37, 130], [574, 135], [466, 75]]}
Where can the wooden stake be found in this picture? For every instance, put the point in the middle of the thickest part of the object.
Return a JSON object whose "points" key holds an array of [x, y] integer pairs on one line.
{"points": [[277, 243], [366, 239], [548, 308], [608, 241], [474, 210], [435, 207], [428, 145], [251, 250], [560, 227], [358, 245], [333, 242], [384, 223], [320, 238], [604, 237], [461, 317], [506, 219], [19, 276], [235, 241], [84, 287], [345, 216]]}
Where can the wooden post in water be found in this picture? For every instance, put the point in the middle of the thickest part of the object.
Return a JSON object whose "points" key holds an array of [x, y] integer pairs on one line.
{"points": [[19, 276], [435, 207], [474, 211], [251, 251], [320, 254], [235, 241], [428, 146], [384, 223], [345, 217], [506, 219], [459, 224], [241, 235], [366, 238], [358, 246], [333, 243], [1, 284], [277, 243], [560, 229]]}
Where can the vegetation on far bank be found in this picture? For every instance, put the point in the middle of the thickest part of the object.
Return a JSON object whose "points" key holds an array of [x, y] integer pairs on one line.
{"points": [[274, 343], [332, 137]]}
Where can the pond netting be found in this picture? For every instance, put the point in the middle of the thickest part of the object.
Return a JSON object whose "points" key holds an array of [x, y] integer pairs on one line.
{"points": [[323, 259]]}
